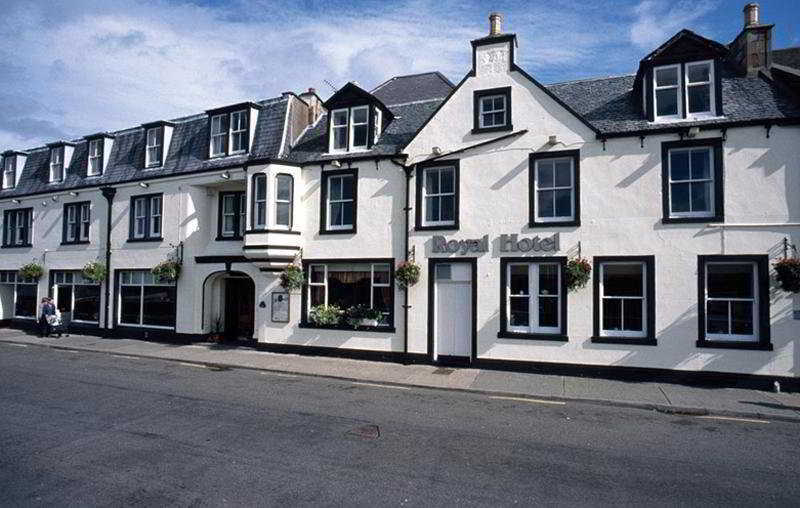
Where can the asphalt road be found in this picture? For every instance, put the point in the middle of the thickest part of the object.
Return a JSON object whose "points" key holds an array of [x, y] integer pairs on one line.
{"points": [[96, 429]]}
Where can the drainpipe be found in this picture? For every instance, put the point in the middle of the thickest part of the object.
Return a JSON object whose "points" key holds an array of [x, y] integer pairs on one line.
{"points": [[407, 209], [108, 193]]}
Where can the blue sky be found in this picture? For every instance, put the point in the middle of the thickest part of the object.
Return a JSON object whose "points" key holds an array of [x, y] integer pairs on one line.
{"points": [[74, 67]]}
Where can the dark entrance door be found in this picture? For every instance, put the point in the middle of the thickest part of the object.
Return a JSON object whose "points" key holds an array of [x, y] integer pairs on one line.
{"points": [[239, 308]]}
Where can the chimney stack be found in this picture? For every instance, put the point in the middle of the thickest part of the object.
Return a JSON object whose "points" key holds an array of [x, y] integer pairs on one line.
{"points": [[752, 48], [750, 15], [495, 24], [314, 105]]}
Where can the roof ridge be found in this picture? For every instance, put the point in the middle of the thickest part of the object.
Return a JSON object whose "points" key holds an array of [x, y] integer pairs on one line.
{"points": [[421, 101], [436, 73], [584, 80]]}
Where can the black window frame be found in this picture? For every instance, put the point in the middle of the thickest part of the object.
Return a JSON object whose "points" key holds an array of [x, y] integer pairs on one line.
{"points": [[238, 218], [306, 323], [118, 302], [562, 336], [7, 225], [420, 181], [477, 95], [51, 283], [78, 223], [131, 216], [649, 263], [323, 216], [718, 214], [575, 155], [763, 312]]}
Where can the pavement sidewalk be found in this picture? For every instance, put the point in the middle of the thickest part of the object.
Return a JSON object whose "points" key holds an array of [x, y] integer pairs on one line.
{"points": [[665, 397]]}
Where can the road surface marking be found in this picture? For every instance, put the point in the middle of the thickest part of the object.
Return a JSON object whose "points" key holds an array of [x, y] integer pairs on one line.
{"points": [[537, 401], [68, 351], [126, 357], [376, 385], [277, 374], [16, 345], [195, 365], [733, 419]]}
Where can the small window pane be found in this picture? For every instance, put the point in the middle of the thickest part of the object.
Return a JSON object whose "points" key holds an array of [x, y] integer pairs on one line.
{"points": [[520, 316], [548, 279], [284, 187], [698, 73], [360, 115], [701, 164], [701, 198], [563, 172], [347, 187], [432, 211], [612, 314], [730, 280], [667, 102], [283, 215], [447, 180], [444, 272], [548, 311], [519, 279], [347, 214], [563, 203], [546, 204], [432, 181], [380, 274], [742, 318], [699, 98], [340, 117], [633, 315], [317, 274], [545, 174], [447, 208], [717, 317], [666, 77], [623, 280], [360, 135], [680, 197]]}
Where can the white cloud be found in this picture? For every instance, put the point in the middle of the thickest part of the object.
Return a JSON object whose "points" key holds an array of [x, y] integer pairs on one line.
{"points": [[657, 20]]}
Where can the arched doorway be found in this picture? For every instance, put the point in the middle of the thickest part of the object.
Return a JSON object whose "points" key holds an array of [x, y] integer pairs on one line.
{"points": [[230, 305]]}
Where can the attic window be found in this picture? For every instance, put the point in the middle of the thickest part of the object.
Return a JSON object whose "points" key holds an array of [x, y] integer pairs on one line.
{"points": [[699, 85], [230, 133], [9, 171], [155, 142], [349, 129], [95, 157], [667, 91], [56, 164], [492, 110], [684, 91]]}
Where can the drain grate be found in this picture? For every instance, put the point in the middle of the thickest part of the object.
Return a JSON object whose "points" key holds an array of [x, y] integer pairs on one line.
{"points": [[366, 432], [444, 371]]}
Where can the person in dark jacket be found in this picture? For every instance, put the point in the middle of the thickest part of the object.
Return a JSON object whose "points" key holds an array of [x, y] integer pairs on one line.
{"points": [[46, 309]]}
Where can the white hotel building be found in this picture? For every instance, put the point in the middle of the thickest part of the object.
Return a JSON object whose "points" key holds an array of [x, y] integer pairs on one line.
{"points": [[679, 184]]}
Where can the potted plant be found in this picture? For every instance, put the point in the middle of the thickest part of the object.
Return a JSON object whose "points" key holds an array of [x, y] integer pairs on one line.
{"points": [[95, 271], [216, 334], [407, 274], [578, 272], [31, 271], [325, 315], [292, 278], [787, 274], [168, 270], [361, 315]]}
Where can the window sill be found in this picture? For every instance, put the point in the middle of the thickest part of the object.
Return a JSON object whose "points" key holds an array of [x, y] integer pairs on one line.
{"points": [[438, 227], [554, 224], [229, 239], [532, 336], [733, 344], [78, 242], [152, 166], [337, 231], [501, 128], [140, 240], [692, 220], [380, 329], [20, 246], [633, 341], [263, 231]]}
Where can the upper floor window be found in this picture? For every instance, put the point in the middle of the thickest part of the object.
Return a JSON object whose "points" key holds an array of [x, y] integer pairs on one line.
{"points": [[18, 227], [232, 211], [492, 110], [349, 129], [77, 219], [378, 121], [57, 164], [95, 157], [437, 195], [230, 133], [692, 181], [145, 222], [684, 91], [339, 197], [155, 146], [555, 188], [667, 91], [259, 201], [699, 88], [9, 171], [283, 200]]}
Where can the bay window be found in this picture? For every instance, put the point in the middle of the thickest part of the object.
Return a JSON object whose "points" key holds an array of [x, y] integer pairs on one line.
{"points": [[339, 200], [259, 201], [145, 301], [18, 227], [346, 284], [76, 295], [283, 200], [145, 218], [692, 181], [77, 220], [624, 307], [533, 298], [232, 211], [554, 193]]}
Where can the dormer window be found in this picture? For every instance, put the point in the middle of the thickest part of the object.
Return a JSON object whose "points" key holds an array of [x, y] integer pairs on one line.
{"points": [[231, 129], [56, 164], [684, 91], [219, 135], [239, 131], [668, 91], [95, 157], [339, 130], [359, 127], [349, 129], [492, 110], [378, 124], [699, 84], [155, 137], [9, 171]]}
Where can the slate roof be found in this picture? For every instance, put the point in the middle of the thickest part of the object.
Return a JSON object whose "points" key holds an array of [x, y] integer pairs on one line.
{"points": [[609, 104], [188, 153], [790, 57], [414, 87]]}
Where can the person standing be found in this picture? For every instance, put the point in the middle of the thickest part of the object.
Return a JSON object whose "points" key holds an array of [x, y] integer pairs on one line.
{"points": [[47, 309]]}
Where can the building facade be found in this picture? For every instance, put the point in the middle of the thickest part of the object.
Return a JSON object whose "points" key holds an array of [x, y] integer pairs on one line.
{"points": [[678, 185]]}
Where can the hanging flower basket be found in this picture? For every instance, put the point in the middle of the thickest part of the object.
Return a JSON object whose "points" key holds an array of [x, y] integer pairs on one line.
{"points": [[787, 272], [579, 270], [292, 278], [407, 274], [325, 315], [167, 271], [31, 271], [95, 271]]}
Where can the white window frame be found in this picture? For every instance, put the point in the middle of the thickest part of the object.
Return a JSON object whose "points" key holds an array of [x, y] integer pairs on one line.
{"points": [[353, 125], [81, 282], [140, 217], [156, 211], [238, 133], [148, 211], [153, 150], [711, 176], [533, 297], [260, 202], [482, 111], [57, 164], [711, 94], [14, 222], [643, 299], [345, 126], [570, 187], [324, 283], [722, 337], [72, 223], [439, 195], [95, 166], [289, 201], [328, 216], [676, 87], [378, 120], [9, 171], [15, 280], [219, 134], [85, 222], [239, 213], [141, 286]]}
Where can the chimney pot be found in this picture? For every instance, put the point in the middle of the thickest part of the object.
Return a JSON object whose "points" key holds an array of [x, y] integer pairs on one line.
{"points": [[750, 14], [311, 90], [495, 24]]}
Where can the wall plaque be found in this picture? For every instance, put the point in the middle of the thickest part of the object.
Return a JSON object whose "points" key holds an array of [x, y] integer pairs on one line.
{"points": [[280, 306]]}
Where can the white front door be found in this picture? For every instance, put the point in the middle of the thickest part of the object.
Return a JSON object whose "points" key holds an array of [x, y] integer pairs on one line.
{"points": [[452, 293]]}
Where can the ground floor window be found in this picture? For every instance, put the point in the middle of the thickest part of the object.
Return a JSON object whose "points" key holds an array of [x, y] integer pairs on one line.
{"points": [[533, 294], [734, 300], [624, 295], [350, 284], [77, 295], [144, 300], [25, 294]]}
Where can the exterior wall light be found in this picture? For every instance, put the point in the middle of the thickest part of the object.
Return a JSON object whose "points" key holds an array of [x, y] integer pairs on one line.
{"points": [[54, 198], [15, 201], [437, 150], [144, 185], [693, 132], [336, 164], [73, 194], [226, 175]]}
